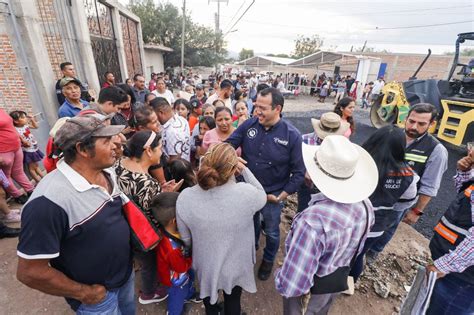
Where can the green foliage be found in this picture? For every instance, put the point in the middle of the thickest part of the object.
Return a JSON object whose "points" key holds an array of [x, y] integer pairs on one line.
{"points": [[245, 54], [464, 52], [307, 45], [279, 55], [162, 24]]}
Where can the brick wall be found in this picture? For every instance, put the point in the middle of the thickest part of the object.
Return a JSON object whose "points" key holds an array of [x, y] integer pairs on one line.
{"points": [[13, 94], [51, 33]]}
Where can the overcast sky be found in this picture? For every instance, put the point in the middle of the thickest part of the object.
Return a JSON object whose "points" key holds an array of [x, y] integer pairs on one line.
{"points": [[270, 26]]}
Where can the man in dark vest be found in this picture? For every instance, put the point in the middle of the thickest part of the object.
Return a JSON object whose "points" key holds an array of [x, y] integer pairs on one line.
{"points": [[452, 248], [428, 158]]}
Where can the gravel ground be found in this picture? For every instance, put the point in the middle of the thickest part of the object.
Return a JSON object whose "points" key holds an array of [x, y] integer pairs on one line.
{"points": [[299, 112]]}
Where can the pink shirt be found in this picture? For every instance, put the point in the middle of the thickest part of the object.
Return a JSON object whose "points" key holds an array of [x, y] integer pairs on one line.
{"points": [[211, 138], [9, 139]]}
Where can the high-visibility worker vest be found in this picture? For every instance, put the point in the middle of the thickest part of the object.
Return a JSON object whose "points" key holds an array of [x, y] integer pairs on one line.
{"points": [[453, 228], [418, 153]]}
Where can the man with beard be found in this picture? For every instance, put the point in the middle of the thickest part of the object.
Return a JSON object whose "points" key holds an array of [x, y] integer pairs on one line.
{"points": [[428, 158], [223, 94]]}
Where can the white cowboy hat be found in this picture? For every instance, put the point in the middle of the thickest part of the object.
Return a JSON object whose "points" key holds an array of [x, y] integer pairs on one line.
{"points": [[342, 171], [329, 124]]}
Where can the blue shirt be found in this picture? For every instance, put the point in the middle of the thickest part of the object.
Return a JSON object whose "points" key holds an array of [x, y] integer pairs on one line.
{"points": [[274, 156], [69, 110]]}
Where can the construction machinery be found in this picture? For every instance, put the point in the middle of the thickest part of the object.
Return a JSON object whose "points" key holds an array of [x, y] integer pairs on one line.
{"points": [[453, 97]]}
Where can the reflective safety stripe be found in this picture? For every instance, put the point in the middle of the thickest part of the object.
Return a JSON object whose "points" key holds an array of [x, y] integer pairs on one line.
{"points": [[416, 157], [374, 234], [445, 233], [454, 227]]}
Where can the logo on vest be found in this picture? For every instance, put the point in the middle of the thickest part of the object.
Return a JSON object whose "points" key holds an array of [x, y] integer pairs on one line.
{"points": [[279, 141], [252, 133], [411, 163]]}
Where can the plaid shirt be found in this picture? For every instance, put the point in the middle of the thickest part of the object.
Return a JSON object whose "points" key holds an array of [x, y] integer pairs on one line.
{"points": [[311, 139], [323, 238], [463, 256]]}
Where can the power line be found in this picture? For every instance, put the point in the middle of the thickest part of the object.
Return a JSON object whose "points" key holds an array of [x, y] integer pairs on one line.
{"points": [[420, 26], [237, 12], [230, 29], [403, 11]]}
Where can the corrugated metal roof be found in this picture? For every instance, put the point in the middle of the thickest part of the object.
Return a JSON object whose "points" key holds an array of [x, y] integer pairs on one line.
{"points": [[265, 60]]}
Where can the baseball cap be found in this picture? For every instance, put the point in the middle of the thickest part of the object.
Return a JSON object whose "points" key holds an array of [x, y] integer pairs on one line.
{"points": [[199, 87], [66, 80], [77, 129]]}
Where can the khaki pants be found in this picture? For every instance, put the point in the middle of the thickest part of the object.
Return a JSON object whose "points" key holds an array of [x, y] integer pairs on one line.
{"points": [[317, 304]]}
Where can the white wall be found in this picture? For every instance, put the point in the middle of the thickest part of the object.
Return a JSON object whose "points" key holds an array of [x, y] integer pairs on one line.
{"points": [[153, 62]]}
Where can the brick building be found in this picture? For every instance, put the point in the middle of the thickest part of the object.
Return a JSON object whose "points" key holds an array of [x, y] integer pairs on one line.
{"points": [[95, 35]]}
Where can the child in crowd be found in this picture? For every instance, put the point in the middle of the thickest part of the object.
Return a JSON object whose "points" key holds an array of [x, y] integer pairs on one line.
{"points": [[182, 170], [182, 108], [31, 153], [196, 112], [242, 112], [173, 260]]}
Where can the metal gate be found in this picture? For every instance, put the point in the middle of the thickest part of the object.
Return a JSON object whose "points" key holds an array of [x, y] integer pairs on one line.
{"points": [[103, 40], [131, 45]]}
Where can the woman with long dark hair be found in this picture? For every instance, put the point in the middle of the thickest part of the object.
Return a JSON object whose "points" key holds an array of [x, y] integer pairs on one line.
{"points": [[345, 108], [396, 189]]}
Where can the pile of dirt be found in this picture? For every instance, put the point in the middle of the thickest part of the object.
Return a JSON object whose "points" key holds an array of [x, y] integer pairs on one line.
{"points": [[384, 284]]}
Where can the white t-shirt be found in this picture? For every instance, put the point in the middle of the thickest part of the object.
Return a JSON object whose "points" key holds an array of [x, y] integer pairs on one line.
{"points": [[378, 85], [215, 96], [176, 140], [168, 95]]}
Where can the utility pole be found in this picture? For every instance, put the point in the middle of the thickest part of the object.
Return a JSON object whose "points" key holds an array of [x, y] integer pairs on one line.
{"points": [[182, 35], [363, 47]]}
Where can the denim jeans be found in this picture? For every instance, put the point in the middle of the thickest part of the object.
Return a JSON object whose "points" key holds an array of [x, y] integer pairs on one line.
{"points": [[271, 213], [120, 301], [383, 240], [452, 295], [177, 294]]}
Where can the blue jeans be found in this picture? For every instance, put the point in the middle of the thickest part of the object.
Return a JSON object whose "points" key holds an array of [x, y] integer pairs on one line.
{"points": [[383, 240], [271, 218], [452, 295], [177, 294], [120, 301]]}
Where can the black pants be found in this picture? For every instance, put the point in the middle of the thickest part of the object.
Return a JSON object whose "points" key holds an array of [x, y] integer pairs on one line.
{"points": [[231, 303]]}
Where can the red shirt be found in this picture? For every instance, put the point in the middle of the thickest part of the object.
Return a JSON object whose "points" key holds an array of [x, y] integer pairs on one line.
{"points": [[170, 262], [9, 139]]}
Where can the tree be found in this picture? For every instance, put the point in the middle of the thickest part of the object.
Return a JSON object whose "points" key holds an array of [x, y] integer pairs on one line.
{"points": [[464, 52], [161, 24], [307, 45], [278, 55], [245, 54]]}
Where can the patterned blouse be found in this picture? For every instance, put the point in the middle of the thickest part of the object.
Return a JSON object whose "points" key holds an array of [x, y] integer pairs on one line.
{"points": [[141, 188]]}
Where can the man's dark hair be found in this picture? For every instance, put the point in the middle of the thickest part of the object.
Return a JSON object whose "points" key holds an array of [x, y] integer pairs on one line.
{"points": [[127, 89], [261, 87], [113, 94], [135, 77], [226, 84], [163, 207], [64, 64], [88, 144], [424, 108], [277, 98], [107, 73], [160, 103]]}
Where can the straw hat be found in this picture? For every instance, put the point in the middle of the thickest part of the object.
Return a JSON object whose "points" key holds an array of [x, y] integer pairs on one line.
{"points": [[329, 124], [342, 171]]}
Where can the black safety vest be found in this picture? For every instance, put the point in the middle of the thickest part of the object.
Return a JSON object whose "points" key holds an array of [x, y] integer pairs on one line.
{"points": [[418, 153], [453, 228], [391, 188]]}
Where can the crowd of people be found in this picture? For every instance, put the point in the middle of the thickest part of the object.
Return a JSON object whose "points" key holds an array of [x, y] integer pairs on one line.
{"points": [[181, 190]]}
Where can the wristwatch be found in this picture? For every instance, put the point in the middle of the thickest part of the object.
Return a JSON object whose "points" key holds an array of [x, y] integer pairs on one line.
{"points": [[417, 211]]}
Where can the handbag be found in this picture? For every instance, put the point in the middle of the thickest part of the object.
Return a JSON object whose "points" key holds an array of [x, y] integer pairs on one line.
{"points": [[337, 280], [144, 235]]}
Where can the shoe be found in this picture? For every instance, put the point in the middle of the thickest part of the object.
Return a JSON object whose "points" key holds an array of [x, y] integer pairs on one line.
{"points": [[265, 270], [371, 257], [148, 299], [194, 299], [11, 217], [9, 232], [21, 199]]}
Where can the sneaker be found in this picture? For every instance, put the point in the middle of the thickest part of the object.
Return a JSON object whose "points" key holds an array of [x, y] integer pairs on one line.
{"points": [[148, 299], [194, 299], [265, 270], [11, 217], [371, 257]]}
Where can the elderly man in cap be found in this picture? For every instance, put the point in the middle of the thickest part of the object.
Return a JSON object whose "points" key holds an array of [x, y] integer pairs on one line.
{"points": [[73, 104], [75, 241], [325, 239], [329, 124]]}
